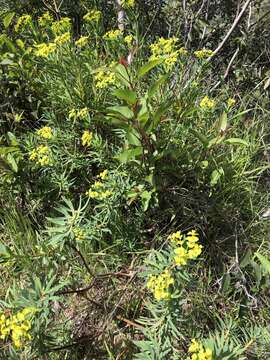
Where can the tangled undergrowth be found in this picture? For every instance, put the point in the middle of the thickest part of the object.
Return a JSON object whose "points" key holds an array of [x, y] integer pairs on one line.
{"points": [[132, 192]]}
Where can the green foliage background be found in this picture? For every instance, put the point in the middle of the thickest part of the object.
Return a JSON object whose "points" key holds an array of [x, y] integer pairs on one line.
{"points": [[83, 262]]}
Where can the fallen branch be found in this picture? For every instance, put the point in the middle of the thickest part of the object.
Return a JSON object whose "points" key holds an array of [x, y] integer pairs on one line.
{"points": [[235, 23], [230, 63]]}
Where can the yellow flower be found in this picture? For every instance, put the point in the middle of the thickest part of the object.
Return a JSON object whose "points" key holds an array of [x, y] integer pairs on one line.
{"points": [[45, 132], [82, 113], [208, 354], [128, 3], [104, 79], [92, 194], [105, 194], [82, 41], [87, 138], [113, 34], [44, 50], [231, 102], [128, 39], [203, 54], [167, 49], [92, 15], [194, 346], [23, 21], [79, 234], [62, 39], [61, 26], [159, 285], [176, 238], [103, 175], [45, 19], [181, 256], [195, 251], [97, 185], [192, 238], [207, 103], [199, 352], [40, 155], [182, 51], [16, 326], [78, 114]]}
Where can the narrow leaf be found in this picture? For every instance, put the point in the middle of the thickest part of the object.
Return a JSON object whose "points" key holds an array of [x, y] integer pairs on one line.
{"points": [[154, 87], [148, 66], [264, 262], [236, 141], [7, 19]]}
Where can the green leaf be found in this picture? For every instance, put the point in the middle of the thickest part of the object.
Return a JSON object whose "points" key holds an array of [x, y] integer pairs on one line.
{"points": [[7, 19], [226, 282], [6, 62], [158, 114], [4, 252], [129, 154], [215, 141], [222, 123], [148, 66], [216, 175], [154, 87], [241, 113], [143, 113], [122, 74], [133, 137], [236, 141], [146, 197], [203, 139], [124, 111], [126, 94], [12, 138], [12, 162], [264, 262]]}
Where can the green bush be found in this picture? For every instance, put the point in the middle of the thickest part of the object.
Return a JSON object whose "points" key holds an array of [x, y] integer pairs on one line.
{"points": [[111, 142]]}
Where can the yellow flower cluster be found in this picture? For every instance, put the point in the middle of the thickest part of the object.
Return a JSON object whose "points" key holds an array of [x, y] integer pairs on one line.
{"points": [[44, 50], [186, 247], [103, 175], [113, 34], [61, 26], [16, 327], [159, 285], [231, 102], [86, 138], [92, 15], [45, 132], [78, 114], [62, 39], [207, 103], [79, 234], [128, 3], [82, 41], [45, 19], [97, 190], [22, 22], [128, 39], [199, 352], [203, 54], [176, 238], [104, 78], [167, 49], [40, 155]]}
